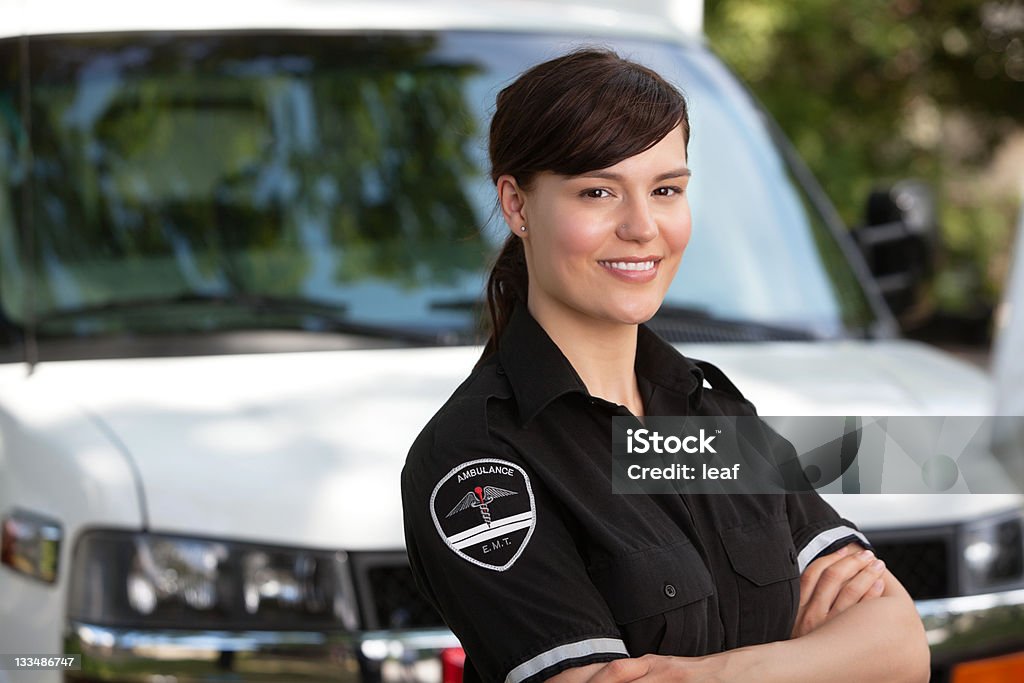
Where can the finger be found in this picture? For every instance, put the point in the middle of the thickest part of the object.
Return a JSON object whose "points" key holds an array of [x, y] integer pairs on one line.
{"points": [[808, 583], [833, 579], [621, 671], [858, 587], [805, 622], [813, 570], [811, 574]]}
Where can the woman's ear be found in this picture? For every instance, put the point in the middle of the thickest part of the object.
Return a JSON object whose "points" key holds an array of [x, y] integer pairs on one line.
{"points": [[513, 204]]}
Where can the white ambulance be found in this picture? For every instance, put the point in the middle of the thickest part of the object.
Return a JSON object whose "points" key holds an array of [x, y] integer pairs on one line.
{"points": [[242, 251]]}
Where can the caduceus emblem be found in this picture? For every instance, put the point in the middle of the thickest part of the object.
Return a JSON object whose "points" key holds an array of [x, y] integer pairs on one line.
{"points": [[481, 498]]}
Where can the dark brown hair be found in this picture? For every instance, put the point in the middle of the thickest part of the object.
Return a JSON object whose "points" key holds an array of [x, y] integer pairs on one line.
{"points": [[584, 111]]}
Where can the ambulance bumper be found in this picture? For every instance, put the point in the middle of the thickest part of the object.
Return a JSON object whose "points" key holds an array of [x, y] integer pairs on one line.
{"points": [[160, 656], [970, 627]]}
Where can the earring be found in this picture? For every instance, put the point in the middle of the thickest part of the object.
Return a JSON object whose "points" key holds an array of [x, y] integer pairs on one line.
{"points": [[522, 229]]}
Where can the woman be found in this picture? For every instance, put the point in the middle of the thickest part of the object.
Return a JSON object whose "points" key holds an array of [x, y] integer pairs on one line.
{"points": [[512, 530]]}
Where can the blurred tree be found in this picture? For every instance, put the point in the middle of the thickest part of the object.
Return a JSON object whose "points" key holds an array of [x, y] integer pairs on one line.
{"points": [[872, 91]]}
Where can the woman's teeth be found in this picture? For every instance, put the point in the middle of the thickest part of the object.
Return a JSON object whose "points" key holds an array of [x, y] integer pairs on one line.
{"points": [[628, 265]]}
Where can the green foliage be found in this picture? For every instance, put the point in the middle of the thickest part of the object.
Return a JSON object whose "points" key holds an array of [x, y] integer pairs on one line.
{"points": [[872, 91]]}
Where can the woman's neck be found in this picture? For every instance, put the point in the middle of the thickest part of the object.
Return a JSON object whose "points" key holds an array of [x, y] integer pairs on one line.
{"points": [[602, 353]]}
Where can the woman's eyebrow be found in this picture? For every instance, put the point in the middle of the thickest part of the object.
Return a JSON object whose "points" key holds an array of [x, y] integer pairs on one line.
{"points": [[608, 175]]}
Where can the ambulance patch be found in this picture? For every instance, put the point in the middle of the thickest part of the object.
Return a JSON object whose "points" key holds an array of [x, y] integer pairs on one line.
{"points": [[485, 512]]}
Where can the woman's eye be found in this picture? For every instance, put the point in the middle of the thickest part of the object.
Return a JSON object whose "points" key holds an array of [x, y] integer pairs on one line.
{"points": [[668, 191], [596, 193]]}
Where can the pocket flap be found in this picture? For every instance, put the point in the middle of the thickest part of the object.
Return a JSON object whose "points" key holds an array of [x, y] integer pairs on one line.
{"points": [[651, 581], [763, 553]]}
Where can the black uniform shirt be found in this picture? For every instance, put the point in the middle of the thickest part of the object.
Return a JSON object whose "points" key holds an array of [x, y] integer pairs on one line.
{"points": [[514, 534]]}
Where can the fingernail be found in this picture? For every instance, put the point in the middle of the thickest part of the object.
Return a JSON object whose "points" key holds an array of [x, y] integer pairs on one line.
{"points": [[877, 585], [865, 554], [877, 565]]}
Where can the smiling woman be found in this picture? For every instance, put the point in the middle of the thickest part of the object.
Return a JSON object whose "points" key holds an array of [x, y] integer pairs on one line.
{"points": [[630, 221], [512, 529], [604, 245]]}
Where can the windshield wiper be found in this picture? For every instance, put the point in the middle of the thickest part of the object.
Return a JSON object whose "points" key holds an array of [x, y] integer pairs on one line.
{"points": [[692, 324], [330, 315], [682, 324], [467, 304]]}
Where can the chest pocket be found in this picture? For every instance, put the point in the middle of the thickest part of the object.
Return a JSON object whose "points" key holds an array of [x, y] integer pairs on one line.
{"points": [[659, 598], [767, 580]]}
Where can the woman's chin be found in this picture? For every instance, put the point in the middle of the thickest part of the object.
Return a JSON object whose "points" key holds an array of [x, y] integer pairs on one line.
{"points": [[635, 316]]}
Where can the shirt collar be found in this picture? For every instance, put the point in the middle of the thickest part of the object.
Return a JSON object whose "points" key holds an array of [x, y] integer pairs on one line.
{"points": [[660, 363], [539, 372]]}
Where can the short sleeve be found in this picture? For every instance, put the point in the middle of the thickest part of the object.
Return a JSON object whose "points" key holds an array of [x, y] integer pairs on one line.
{"points": [[489, 549], [816, 527]]}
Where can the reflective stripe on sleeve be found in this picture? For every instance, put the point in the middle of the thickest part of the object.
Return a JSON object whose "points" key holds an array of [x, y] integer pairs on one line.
{"points": [[583, 648], [824, 540]]}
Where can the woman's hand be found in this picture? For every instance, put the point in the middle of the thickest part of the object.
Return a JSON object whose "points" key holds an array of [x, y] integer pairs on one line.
{"points": [[833, 583]]}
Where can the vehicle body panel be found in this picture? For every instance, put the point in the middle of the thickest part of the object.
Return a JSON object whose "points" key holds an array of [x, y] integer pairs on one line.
{"points": [[331, 428], [599, 17], [1008, 353]]}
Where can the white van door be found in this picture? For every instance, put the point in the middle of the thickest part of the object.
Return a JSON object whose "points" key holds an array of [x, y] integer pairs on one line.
{"points": [[1008, 364], [1008, 359]]}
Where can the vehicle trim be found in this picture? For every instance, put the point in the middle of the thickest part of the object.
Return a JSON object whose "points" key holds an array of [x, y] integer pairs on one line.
{"points": [[129, 655], [968, 627]]}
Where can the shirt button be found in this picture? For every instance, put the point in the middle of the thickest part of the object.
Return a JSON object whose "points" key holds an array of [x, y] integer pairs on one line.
{"points": [[670, 590]]}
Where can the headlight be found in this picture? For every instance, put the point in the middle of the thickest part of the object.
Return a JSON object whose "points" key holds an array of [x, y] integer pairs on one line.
{"points": [[991, 553], [135, 579]]}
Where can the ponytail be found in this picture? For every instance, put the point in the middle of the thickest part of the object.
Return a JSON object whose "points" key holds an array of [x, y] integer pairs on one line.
{"points": [[507, 285]]}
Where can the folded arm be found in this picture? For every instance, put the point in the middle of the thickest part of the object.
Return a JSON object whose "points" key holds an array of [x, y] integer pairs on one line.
{"points": [[880, 639]]}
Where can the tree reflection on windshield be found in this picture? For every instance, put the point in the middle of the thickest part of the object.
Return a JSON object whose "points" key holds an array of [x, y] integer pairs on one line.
{"points": [[291, 166], [350, 170]]}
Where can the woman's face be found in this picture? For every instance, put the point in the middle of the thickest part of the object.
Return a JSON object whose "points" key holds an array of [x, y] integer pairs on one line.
{"points": [[605, 245]]}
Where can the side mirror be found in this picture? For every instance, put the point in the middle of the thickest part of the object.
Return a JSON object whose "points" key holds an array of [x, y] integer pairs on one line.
{"points": [[899, 240]]}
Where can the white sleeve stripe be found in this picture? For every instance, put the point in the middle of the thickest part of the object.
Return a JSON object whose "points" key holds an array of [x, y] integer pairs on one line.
{"points": [[593, 646], [822, 541]]}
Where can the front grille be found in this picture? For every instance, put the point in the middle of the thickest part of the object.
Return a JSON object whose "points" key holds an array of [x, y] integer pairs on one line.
{"points": [[922, 565], [388, 597]]}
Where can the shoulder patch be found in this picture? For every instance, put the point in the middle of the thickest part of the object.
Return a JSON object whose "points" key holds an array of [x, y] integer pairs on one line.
{"points": [[485, 512]]}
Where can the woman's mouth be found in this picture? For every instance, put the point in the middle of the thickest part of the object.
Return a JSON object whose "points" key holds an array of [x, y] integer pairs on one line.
{"points": [[628, 265], [632, 270]]}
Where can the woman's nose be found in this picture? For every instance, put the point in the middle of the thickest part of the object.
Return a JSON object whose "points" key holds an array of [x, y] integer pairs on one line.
{"points": [[638, 223]]}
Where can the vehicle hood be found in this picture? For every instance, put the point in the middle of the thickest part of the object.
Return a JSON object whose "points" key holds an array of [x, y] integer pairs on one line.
{"points": [[306, 449], [300, 449], [872, 379], [851, 378]]}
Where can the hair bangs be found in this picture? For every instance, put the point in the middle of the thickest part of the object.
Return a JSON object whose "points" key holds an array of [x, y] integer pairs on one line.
{"points": [[627, 116]]}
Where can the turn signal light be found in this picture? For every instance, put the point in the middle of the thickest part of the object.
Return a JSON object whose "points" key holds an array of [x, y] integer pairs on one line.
{"points": [[995, 670], [30, 544], [453, 662]]}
